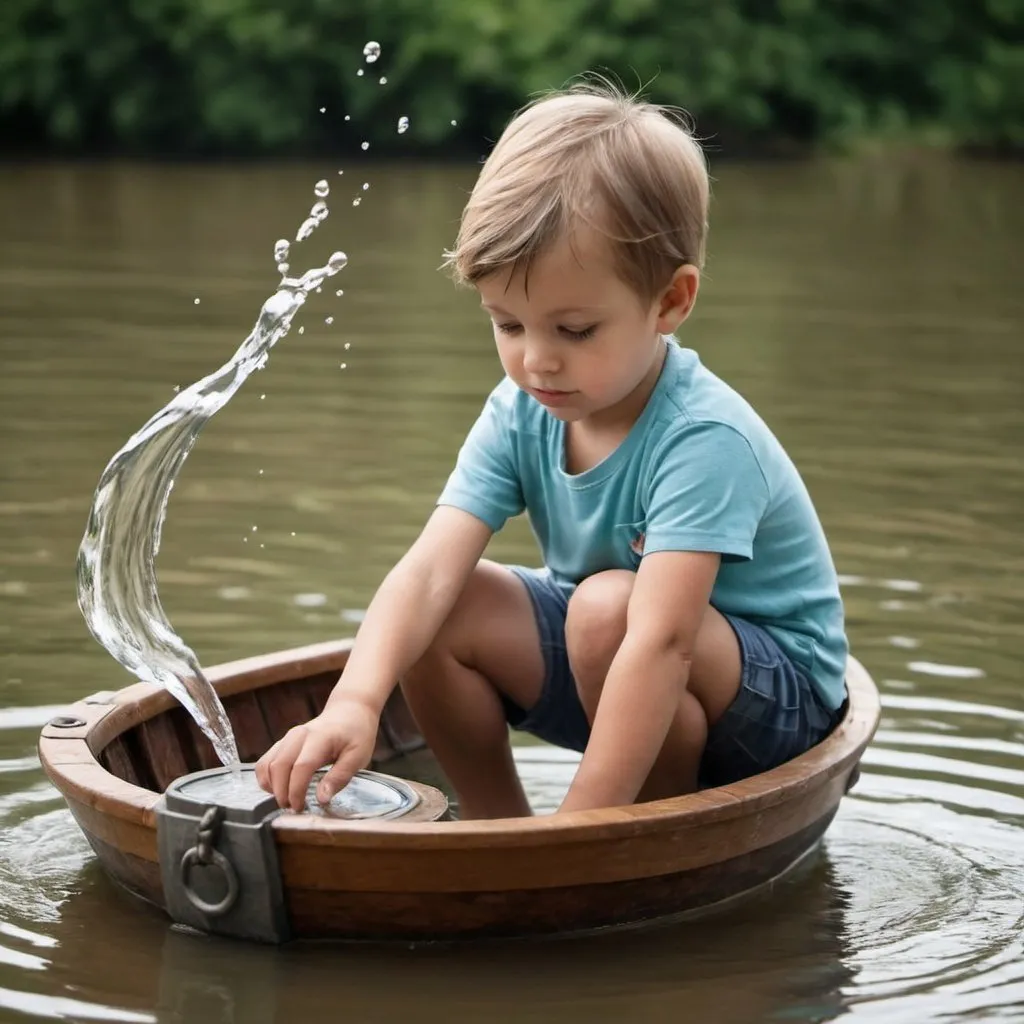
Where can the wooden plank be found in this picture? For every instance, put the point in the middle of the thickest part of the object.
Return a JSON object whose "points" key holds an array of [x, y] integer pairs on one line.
{"points": [[163, 750], [284, 706], [116, 758], [251, 732], [319, 688], [530, 911], [397, 857]]}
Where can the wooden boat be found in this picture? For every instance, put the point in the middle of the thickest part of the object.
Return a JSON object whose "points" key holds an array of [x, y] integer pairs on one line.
{"points": [[111, 755]]}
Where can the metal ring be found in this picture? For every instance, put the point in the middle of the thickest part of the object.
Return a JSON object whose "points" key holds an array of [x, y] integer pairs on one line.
{"points": [[223, 905]]}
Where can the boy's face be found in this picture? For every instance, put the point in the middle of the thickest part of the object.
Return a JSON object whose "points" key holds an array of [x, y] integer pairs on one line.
{"points": [[580, 341]]}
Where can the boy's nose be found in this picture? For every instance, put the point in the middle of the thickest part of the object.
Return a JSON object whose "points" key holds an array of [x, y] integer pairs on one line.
{"points": [[539, 357]]}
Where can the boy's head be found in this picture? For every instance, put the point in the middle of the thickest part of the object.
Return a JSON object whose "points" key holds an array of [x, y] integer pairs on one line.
{"points": [[589, 157]]}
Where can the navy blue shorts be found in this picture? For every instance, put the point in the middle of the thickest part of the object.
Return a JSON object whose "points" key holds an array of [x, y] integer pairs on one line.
{"points": [[776, 715]]}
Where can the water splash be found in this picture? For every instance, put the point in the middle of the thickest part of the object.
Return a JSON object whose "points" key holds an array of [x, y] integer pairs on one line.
{"points": [[117, 586]]}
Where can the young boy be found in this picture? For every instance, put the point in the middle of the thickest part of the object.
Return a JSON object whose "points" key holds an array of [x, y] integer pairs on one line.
{"points": [[687, 628]]}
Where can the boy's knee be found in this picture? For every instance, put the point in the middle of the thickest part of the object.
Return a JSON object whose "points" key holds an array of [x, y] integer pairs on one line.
{"points": [[479, 600], [595, 622]]}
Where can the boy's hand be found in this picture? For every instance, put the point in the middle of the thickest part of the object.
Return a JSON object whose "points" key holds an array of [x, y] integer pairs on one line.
{"points": [[344, 733]]}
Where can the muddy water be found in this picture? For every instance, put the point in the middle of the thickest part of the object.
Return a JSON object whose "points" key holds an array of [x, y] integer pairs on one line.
{"points": [[872, 312]]}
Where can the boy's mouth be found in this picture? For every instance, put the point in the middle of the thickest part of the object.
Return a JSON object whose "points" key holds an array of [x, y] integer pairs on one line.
{"points": [[549, 396]]}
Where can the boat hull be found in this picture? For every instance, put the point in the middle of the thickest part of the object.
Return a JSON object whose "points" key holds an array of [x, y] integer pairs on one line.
{"points": [[434, 879]]}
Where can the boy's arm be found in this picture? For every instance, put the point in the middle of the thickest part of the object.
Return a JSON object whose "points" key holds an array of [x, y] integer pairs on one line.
{"points": [[641, 692], [403, 618]]}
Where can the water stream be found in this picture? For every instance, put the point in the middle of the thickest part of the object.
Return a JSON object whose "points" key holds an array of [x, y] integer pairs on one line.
{"points": [[117, 584]]}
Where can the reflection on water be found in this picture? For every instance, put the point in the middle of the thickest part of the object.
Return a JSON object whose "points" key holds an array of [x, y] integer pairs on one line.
{"points": [[871, 313]]}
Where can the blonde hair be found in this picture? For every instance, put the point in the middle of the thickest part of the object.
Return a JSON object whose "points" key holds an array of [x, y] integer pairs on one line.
{"points": [[631, 170]]}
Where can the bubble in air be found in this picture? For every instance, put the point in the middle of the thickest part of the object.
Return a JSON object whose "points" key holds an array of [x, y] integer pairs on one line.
{"points": [[403, 125], [371, 51], [322, 188]]}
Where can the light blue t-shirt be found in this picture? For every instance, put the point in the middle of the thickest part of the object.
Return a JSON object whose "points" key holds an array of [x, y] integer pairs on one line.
{"points": [[698, 471]]}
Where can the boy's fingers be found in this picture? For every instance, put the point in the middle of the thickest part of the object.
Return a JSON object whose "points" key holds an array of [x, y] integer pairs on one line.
{"points": [[338, 776], [280, 766], [263, 766], [315, 754]]}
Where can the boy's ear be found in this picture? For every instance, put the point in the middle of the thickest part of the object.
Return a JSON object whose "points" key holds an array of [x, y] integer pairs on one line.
{"points": [[676, 301]]}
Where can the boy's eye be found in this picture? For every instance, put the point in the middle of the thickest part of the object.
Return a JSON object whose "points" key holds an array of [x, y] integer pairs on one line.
{"points": [[508, 328], [581, 335]]}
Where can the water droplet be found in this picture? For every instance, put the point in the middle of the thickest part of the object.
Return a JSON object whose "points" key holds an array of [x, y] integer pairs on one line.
{"points": [[403, 125], [319, 291], [282, 268], [383, 79], [341, 172], [261, 472], [263, 545], [245, 540], [363, 146], [348, 345], [177, 388], [196, 301], [262, 397], [360, 72], [454, 122], [366, 185], [356, 201], [255, 528], [322, 188], [371, 51], [340, 292], [323, 110], [293, 533], [343, 365], [348, 117], [329, 320], [281, 247], [302, 330], [337, 262], [319, 211]]}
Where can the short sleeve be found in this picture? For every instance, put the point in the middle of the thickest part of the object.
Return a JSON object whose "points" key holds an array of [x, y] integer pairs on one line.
{"points": [[706, 492], [485, 481]]}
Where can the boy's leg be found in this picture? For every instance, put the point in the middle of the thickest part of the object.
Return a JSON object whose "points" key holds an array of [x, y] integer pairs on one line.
{"points": [[488, 646], [594, 629]]}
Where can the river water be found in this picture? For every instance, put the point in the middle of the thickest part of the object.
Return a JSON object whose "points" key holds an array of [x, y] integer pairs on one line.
{"points": [[871, 310]]}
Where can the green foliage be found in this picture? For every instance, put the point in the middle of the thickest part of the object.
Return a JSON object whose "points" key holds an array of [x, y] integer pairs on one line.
{"points": [[247, 76]]}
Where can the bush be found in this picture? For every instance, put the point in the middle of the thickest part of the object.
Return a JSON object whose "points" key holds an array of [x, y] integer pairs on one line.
{"points": [[240, 76]]}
